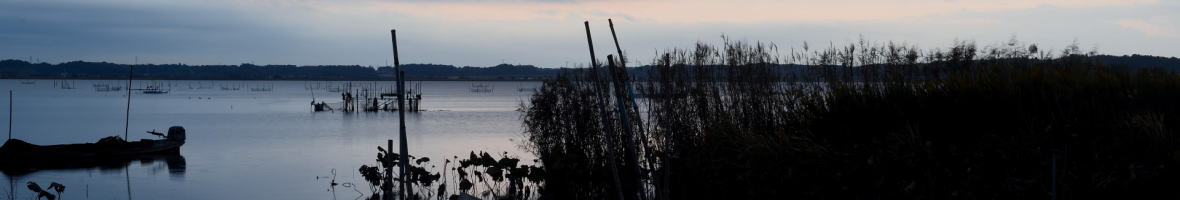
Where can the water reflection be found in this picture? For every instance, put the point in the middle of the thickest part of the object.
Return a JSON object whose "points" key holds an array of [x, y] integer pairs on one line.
{"points": [[174, 164]]}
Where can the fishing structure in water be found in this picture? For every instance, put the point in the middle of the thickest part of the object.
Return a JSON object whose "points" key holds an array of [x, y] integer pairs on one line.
{"points": [[152, 89], [263, 88], [63, 84], [371, 98], [481, 88], [106, 87]]}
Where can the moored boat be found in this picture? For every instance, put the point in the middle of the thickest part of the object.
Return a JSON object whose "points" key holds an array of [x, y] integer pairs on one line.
{"points": [[18, 154]]}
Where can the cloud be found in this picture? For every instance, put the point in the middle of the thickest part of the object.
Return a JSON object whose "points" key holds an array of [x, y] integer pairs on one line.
{"points": [[488, 1], [543, 32], [119, 30], [1149, 28]]}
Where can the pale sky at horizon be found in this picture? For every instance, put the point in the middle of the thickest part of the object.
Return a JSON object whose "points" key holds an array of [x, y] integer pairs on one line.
{"points": [[548, 33]]}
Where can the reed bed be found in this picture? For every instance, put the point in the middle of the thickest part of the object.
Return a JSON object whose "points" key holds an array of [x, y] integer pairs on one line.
{"points": [[859, 121]]}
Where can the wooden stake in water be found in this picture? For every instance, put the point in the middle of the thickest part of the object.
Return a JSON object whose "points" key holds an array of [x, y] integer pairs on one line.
{"points": [[127, 115], [408, 190], [404, 159], [388, 172], [9, 114], [127, 123]]}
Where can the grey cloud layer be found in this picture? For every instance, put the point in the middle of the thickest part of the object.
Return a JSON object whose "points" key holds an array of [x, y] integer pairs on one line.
{"points": [[74, 29], [213, 32]]}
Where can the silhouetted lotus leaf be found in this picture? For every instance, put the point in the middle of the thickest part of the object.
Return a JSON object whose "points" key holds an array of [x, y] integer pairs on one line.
{"points": [[465, 185], [496, 173]]}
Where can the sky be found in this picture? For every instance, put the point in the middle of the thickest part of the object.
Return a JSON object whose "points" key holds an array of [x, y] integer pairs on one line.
{"points": [[548, 33]]}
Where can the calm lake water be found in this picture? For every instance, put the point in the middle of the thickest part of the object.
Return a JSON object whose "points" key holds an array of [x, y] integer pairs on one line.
{"points": [[245, 144]]}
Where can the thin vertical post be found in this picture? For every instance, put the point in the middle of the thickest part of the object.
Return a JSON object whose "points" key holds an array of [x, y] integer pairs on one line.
{"points": [[388, 172], [9, 114], [408, 189], [608, 127], [127, 114], [127, 123]]}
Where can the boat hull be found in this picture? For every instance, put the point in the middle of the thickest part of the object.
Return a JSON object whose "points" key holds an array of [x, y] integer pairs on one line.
{"points": [[17, 154]]}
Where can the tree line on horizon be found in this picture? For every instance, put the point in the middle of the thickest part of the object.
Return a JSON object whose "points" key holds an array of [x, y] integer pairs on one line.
{"points": [[20, 69]]}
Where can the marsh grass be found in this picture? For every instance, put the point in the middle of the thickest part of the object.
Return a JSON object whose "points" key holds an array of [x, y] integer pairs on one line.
{"points": [[865, 120]]}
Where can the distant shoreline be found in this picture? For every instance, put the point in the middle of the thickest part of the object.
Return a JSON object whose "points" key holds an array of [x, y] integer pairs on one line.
{"points": [[82, 70], [146, 79], [76, 70]]}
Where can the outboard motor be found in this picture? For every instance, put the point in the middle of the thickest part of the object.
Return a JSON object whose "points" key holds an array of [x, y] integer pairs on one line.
{"points": [[176, 133]]}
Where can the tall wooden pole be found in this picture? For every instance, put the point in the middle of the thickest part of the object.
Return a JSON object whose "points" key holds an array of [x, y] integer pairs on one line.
{"points": [[630, 158], [127, 123], [608, 127], [127, 114], [622, 60], [590, 41], [9, 114], [406, 188]]}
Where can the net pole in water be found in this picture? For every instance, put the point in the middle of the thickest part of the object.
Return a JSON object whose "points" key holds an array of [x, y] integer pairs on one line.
{"points": [[9, 114], [404, 159], [127, 114]]}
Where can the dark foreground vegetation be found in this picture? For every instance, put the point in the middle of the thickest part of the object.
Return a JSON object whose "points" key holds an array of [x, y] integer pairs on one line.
{"points": [[866, 121], [476, 176]]}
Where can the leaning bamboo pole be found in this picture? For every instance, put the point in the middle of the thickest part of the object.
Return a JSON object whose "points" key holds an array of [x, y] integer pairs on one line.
{"points": [[624, 91], [630, 159], [608, 127]]}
